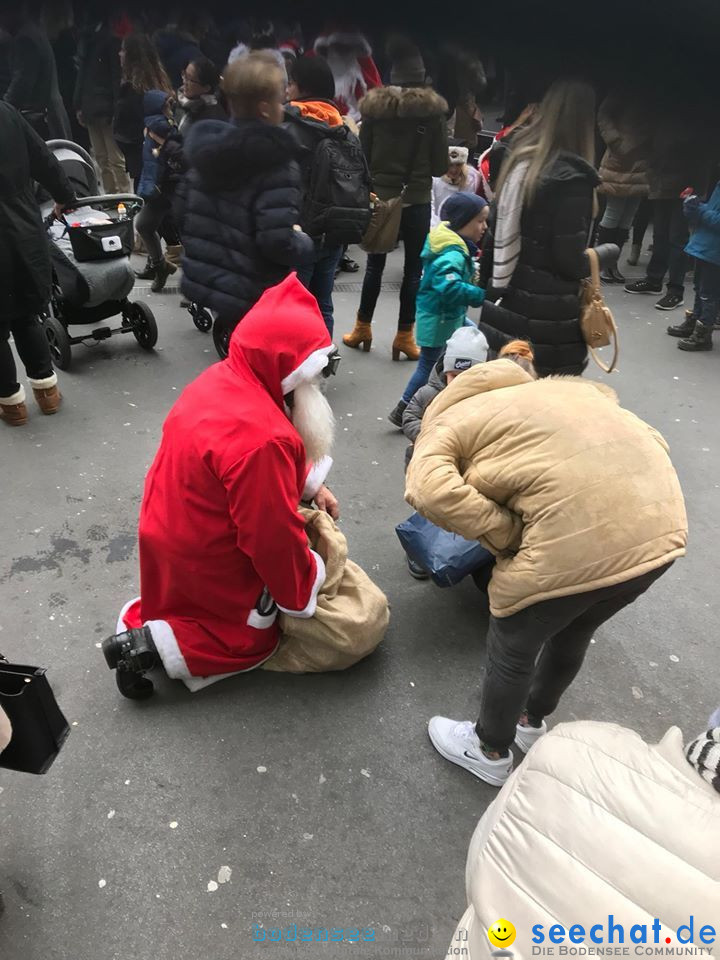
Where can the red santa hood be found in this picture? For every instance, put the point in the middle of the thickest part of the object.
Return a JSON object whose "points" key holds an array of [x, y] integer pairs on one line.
{"points": [[282, 341]]}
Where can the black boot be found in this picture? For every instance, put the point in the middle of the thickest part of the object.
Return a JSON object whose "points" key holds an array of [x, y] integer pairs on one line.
{"points": [[606, 235], [396, 415], [131, 654], [701, 339], [685, 328], [147, 272], [163, 269]]}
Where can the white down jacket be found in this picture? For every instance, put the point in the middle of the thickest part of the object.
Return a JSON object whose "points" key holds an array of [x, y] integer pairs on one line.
{"points": [[595, 822]]}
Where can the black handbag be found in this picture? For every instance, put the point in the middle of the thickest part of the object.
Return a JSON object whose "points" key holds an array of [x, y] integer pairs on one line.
{"points": [[39, 728], [101, 241]]}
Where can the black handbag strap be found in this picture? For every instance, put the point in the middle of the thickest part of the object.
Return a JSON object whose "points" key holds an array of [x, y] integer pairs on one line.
{"points": [[417, 140]]}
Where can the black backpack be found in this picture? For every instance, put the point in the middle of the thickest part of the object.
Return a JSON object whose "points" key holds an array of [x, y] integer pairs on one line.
{"points": [[336, 205]]}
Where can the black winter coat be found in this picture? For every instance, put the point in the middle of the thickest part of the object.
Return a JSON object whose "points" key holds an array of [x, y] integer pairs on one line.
{"points": [[236, 210], [542, 303], [98, 79], [33, 70], [25, 273]]}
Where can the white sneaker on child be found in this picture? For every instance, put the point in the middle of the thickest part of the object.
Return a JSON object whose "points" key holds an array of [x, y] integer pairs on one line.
{"points": [[525, 737], [458, 742]]}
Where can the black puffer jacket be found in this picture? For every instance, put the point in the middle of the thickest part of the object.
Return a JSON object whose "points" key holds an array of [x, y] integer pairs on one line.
{"points": [[236, 211], [542, 303]]}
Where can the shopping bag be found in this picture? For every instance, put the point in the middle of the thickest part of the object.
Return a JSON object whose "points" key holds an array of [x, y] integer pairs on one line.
{"points": [[39, 728], [352, 612], [447, 557]]}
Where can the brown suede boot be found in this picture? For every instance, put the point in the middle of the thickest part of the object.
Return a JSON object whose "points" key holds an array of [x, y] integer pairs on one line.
{"points": [[173, 254], [13, 410], [361, 336], [47, 395], [404, 342]]}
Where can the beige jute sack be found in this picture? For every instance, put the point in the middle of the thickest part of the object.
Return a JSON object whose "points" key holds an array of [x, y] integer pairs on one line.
{"points": [[352, 613]]}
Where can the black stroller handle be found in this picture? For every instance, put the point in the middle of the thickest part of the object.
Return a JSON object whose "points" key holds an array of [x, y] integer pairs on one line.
{"points": [[107, 199], [69, 145]]}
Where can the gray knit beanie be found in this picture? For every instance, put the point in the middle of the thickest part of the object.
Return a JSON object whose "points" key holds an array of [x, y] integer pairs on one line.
{"points": [[407, 65]]}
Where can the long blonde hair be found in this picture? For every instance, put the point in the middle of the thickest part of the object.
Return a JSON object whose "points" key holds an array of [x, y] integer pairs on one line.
{"points": [[564, 121]]}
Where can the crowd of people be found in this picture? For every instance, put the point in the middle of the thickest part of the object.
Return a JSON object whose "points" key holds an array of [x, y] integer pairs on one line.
{"points": [[259, 163]]}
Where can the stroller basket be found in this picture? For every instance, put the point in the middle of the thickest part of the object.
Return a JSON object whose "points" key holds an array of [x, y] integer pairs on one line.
{"points": [[104, 241]]}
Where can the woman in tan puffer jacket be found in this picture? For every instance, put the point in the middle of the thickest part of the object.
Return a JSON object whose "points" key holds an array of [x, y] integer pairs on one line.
{"points": [[578, 500]]}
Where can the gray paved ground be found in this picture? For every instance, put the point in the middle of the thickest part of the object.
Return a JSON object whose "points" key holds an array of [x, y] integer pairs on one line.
{"points": [[357, 822]]}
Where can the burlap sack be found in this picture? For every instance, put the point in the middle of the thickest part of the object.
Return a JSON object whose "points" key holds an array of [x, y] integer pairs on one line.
{"points": [[352, 612]]}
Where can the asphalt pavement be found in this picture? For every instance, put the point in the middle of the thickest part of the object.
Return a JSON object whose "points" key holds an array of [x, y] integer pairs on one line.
{"points": [[167, 828]]}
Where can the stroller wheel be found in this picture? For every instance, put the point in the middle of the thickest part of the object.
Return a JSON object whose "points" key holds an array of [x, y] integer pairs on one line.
{"points": [[143, 323], [221, 338], [203, 320], [59, 342]]}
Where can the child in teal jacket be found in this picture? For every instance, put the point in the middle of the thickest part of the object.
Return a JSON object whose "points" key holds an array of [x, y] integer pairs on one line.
{"points": [[446, 288]]}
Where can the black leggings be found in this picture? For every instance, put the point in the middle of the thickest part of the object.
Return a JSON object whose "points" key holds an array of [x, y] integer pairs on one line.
{"points": [[31, 343], [559, 631]]}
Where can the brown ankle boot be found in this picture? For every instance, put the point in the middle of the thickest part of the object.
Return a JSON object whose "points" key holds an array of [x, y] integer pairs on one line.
{"points": [[47, 395], [173, 254], [404, 342], [13, 410], [361, 335]]}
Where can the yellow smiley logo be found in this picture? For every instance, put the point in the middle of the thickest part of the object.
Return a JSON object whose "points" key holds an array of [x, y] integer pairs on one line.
{"points": [[501, 933]]}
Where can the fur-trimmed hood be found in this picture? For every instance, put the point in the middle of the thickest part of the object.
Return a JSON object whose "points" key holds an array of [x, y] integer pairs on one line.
{"points": [[389, 103]]}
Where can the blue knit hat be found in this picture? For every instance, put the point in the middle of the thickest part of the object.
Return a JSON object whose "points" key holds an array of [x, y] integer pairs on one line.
{"points": [[460, 208]]}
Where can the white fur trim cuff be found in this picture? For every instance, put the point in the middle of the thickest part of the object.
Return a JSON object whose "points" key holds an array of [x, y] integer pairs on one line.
{"points": [[45, 384], [168, 649], [17, 397], [311, 605], [316, 477], [308, 369]]}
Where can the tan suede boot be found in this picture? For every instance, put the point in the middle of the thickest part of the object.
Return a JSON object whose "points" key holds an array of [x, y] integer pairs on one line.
{"points": [[13, 409], [404, 342], [47, 395], [174, 253], [361, 336]]}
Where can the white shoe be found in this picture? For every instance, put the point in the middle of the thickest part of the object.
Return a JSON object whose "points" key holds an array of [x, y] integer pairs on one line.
{"points": [[525, 737], [458, 743]]}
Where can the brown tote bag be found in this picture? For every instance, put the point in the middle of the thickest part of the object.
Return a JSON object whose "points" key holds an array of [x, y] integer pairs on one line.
{"points": [[596, 320], [382, 234]]}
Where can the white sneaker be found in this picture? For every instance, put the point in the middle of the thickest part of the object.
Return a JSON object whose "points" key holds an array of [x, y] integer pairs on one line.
{"points": [[458, 743], [525, 737]]}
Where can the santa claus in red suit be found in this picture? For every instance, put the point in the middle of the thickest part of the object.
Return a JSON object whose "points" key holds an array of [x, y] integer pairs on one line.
{"points": [[350, 58], [222, 545]]}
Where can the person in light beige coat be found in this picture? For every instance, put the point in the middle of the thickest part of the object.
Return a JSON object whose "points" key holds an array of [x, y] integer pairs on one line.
{"points": [[5, 730], [595, 822], [579, 502]]}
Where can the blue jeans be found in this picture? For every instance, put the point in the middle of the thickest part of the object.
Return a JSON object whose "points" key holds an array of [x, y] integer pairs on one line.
{"points": [[620, 212], [319, 278], [428, 358]]}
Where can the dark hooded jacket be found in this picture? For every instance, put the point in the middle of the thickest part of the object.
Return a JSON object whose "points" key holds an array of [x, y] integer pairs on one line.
{"points": [[236, 211], [542, 303], [161, 164]]}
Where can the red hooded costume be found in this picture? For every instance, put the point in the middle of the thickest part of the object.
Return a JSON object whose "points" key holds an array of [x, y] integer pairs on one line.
{"points": [[219, 520]]}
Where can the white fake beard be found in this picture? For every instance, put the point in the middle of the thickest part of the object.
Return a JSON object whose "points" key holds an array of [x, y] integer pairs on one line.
{"points": [[347, 73], [313, 419]]}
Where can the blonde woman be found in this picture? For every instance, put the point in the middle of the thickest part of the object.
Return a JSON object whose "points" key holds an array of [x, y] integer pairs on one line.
{"points": [[545, 204]]}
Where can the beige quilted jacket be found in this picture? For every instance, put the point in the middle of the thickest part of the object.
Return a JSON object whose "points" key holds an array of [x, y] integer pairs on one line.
{"points": [[595, 822]]}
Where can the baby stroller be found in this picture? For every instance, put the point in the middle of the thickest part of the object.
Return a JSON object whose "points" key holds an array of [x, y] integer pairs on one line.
{"points": [[90, 252]]}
